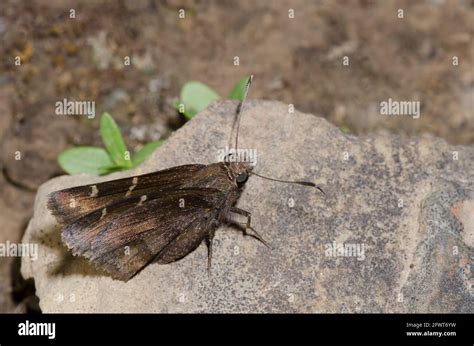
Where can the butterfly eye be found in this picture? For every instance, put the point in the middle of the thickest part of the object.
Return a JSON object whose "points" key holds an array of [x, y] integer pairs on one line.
{"points": [[242, 178]]}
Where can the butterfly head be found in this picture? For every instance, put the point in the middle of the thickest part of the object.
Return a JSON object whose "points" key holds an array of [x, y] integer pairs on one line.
{"points": [[240, 172]]}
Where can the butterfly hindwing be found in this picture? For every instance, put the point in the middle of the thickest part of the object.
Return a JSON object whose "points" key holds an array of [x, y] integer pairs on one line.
{"points": [[124, 263]]}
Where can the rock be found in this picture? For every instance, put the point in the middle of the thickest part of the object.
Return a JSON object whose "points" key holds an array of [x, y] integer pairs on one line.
{"points": [[393, 234]]}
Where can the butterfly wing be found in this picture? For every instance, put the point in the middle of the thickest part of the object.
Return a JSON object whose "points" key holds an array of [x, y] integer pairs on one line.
{"points": [[70, 204], [126, 236]]}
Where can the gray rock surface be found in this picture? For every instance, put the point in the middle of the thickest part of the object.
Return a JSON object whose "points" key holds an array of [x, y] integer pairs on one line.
{"points": [[403, 209]]}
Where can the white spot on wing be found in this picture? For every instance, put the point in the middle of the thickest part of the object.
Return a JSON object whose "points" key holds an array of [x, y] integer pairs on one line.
{"points": [[104, 212], [142, 199], [130, 189], [94, 191]]}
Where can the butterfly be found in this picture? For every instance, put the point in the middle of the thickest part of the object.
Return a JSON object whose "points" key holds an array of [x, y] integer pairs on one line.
{"points": [[126, 224]]}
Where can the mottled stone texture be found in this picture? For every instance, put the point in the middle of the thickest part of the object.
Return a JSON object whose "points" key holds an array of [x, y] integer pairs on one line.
{"points": [[407, 203]]}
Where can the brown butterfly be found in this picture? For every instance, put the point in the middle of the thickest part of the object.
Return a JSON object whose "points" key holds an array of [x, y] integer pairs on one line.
{"points": [[125, 224]]}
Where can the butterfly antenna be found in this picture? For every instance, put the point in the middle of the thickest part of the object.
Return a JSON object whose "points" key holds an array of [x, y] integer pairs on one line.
{"points": [[240, 107], [304, 183]]}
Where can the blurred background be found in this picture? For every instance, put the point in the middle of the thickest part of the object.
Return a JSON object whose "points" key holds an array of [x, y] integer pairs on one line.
{"points": [[295, 60]]}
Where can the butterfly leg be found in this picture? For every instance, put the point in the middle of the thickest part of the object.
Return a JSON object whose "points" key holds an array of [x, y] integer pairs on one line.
{"points": [[248, 226], [209, 239]]}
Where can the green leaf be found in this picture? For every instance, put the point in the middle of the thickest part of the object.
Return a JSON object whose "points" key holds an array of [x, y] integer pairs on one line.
{"points": [[112, 169], [113, 141], [196, 96], [142, 154], [90, 160], [176, 104], [188, 113], [239, 89]]}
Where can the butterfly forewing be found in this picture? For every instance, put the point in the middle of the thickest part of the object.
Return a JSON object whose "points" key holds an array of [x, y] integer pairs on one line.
{"points": [[70, 204]]}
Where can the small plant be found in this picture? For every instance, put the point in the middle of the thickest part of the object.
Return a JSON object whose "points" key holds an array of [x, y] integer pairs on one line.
{"points": [[100, 161], [196, 96]]}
